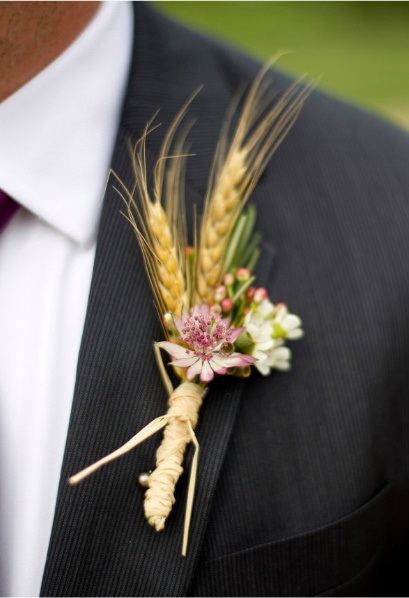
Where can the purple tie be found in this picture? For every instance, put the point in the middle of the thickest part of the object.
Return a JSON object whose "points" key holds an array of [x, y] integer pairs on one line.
{"points": [[8, 207]]}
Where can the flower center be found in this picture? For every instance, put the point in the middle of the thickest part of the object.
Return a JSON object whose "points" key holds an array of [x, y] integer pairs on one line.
{"points": [[204, 333]]}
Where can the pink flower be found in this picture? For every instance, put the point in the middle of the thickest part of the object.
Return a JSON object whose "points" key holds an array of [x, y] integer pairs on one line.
{"points": [[205, 334]]}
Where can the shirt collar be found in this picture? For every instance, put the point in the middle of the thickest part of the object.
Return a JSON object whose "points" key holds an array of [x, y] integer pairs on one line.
{"points": [[58, 131]]}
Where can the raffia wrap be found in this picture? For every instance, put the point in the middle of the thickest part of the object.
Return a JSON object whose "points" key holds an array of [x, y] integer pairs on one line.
{"points": [[179, 423], [184, 404]]}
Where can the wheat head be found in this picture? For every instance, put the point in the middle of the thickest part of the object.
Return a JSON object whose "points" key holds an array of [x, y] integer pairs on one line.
{"points": [[262, 126], [157, 231], [169, 274], [222, 213]]}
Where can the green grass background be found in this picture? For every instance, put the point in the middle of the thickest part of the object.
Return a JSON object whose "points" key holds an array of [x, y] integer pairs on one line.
{"points": [[361, 49]]}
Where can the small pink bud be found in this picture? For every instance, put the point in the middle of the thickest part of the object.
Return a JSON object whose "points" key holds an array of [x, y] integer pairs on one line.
{"points": [[259, 295], [228, 279], [189, 250], [215, 309], [279, 307], [227, 305], [250, 293], [168, 321], [220, 293], [243, 274]]}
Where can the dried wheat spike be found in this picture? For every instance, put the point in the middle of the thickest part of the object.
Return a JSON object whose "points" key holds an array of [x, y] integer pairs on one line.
{"points": [[160, 232], [237, 168], [170, 277], [221, 216]]}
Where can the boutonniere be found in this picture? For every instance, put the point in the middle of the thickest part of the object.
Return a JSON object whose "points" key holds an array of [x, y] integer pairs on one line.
{"points": [[215, 320]]}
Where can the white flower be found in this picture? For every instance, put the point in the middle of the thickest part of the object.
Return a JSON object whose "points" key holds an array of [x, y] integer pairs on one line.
{"points": [[259, 325], [278, 358], [267, 325], [289, 324]]}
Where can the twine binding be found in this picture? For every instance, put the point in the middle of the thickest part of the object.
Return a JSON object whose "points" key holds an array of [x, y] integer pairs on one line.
{"points": [[179, 423]]}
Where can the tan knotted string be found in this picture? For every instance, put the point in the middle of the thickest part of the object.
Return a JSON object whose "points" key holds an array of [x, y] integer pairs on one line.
{"points": [[179, 423], [182, 416]]}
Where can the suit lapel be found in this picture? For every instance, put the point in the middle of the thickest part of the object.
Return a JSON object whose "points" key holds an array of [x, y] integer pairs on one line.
{"points": [[100, 544]]}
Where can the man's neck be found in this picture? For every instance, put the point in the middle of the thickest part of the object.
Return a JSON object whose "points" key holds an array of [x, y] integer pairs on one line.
{"points": [[33, 34]]}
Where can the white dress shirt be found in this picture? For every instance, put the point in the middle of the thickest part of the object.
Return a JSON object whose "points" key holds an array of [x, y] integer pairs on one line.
{"points": [[56, 140]]}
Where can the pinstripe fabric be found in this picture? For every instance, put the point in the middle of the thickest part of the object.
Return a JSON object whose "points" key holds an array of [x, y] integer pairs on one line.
{"points": [[303, 481]]}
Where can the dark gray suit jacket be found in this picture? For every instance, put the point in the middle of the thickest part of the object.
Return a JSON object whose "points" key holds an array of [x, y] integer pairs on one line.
{"points": [[303, 476]]}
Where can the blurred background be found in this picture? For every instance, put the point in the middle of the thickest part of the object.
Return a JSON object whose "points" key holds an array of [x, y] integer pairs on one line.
{"points": [[361, 49]]}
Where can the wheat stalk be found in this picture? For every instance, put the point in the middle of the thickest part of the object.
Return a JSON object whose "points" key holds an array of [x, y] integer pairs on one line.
{"points": [[159, 229], [237, 169]]}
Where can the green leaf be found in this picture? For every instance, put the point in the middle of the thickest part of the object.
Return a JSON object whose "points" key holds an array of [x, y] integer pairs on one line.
{"points": [[243, 248]]}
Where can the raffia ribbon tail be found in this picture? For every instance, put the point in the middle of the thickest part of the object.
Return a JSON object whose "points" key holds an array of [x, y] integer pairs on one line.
{"points": [[184, 404]]}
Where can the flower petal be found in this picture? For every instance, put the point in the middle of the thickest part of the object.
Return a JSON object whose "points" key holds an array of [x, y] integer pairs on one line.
{"points": [[281, 314], [233, 360], [284, 366], [265, 308], [235, 333], [198, 310], [253, 330], [226, 321], [207, 373], [218, 368], [185, 362], [259, 355], [291, 321], [265, 346], [175, 350], [279, 358], [294, 334], [194, 369], [263, 368], [279, 354]]}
